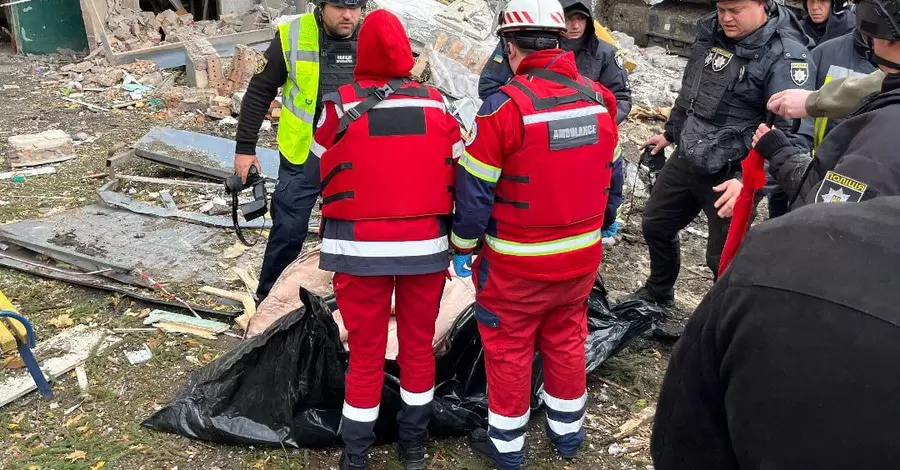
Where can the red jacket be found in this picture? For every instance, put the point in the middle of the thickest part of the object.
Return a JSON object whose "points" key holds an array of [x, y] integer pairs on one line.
{"points": [[541, 163], [385, 231]]}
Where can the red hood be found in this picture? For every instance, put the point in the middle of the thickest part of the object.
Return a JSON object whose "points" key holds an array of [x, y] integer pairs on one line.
{"points": [[383, 50], [555, 60]]}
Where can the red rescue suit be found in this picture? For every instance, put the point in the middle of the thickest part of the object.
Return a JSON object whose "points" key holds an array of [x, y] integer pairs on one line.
{"points": [[544, 148], [390, 164], [387, 177]]}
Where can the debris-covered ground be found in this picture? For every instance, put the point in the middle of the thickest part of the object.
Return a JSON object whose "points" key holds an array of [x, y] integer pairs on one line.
{"points": [[99, 427]]}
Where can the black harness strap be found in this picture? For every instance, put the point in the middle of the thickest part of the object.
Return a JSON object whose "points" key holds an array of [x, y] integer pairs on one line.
{"points": [[376, 95], [338, 197], [334, 171], [565, 81]]}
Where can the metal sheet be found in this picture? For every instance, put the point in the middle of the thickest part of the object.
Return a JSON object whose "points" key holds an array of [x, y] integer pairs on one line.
{"points": [[37, 268], [124, 202], [199, 154], [170, 251]]}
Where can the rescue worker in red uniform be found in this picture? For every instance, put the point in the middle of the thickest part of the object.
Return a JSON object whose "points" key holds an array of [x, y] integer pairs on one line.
{"points": [[532, 185], [384, 153]]}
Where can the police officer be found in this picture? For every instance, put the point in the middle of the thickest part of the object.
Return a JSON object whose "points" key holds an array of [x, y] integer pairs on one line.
{"points": [[597, 60], [744, 53], [827, 19], [309, 57], [387, 148], [857, 160], [846, 56], [782, 366], [530, 188]]}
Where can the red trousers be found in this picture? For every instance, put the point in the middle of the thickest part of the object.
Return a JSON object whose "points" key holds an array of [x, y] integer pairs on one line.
{"points": [[516, 316], [365, 304]]}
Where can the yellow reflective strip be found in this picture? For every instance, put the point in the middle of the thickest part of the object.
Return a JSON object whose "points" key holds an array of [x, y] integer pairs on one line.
{"points": [[464, 243], [562, 245], [617, 153], [479, 169]]}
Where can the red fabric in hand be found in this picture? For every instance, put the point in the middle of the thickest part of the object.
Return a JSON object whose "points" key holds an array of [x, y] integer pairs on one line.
{"points": [[754, 178]]}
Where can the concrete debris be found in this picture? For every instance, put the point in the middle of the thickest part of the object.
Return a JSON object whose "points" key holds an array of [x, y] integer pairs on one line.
{"points": [[133, 30], [153, 79], [657, 79], [39, 149], [236, 100]]}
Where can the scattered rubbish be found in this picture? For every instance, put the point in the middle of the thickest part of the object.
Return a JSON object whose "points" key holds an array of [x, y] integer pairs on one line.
{"points": [[615, 449], [62, 321], [302, 406], [235, 251], [88, 105], [122, 201], [167, 181], [139, 356], [135, 330], [57, 356], [176, 323], [81, 376], [44, 170], [697, 232], [11, 87], [246, 301], [40, 149], [199, 154], [166, 197], [228, 121], [266, 126], [635, 423]]}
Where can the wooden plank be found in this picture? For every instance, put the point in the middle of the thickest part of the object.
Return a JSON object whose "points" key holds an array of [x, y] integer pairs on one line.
{"points": [[161, 316], [120, 159], [77, 342], [175, 328], [246, 300], [249, 280]]}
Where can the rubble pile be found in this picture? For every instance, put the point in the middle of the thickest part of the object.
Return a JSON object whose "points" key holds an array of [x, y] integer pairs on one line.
{"points": [[657, 80], [97, 72], [130, 29]]}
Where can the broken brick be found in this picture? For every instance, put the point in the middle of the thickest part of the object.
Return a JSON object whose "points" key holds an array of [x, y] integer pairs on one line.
{"points": [[38, 149]]}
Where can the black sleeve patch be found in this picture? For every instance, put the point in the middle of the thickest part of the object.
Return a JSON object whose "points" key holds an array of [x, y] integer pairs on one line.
{"points": [[573, 132], [839, 188]]}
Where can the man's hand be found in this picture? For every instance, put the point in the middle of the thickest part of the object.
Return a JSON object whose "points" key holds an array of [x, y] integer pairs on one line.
{"points": [[789, 103], [730, 190], [658, 142], [760, 132], [242, 164]]}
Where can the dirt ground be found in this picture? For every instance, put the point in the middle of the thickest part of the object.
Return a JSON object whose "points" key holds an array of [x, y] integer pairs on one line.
{"points": [[101, 428]]}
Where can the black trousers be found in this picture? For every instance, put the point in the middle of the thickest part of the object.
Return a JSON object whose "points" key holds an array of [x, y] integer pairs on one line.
{"points": [[677, 198], [292, 204]]}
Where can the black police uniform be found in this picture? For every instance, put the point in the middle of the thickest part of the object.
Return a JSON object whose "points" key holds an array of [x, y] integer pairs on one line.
{"points": [[840, 22], [722, 101], [596, 59], [788, 361], [858, 159], [294, 197]]}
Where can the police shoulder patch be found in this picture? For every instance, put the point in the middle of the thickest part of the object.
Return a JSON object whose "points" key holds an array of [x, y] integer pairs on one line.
{"points": [[620, 59], [719, 58], [839, 188], [261, 64], [799, 73]]}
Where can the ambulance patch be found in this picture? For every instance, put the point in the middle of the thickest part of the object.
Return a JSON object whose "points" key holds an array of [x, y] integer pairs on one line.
{"points": [[573, 132], [620, 59], [469, 137], [719, 58], [799, 73], [838, 188], [261, 64]]}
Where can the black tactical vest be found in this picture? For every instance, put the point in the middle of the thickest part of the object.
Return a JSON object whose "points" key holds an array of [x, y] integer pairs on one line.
{"points": [[337, 58]]}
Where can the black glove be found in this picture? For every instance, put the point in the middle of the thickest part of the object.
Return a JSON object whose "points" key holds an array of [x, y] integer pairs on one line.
{"points": [[771, 143]]}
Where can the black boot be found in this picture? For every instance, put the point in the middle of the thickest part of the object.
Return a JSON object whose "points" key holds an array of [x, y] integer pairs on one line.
{"points": [[412, 455], [644, 295], [352, 462], [480, 443]]}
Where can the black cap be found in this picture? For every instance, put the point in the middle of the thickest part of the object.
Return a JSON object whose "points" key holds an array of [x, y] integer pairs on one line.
{"points": [[346, 3], [879, 19]]}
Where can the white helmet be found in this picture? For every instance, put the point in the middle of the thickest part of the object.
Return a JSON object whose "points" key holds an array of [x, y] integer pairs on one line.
{"points": [[532, 15]]}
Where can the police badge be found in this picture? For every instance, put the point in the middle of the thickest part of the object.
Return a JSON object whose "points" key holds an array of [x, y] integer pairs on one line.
{"points": [[720, 59], [620, 59], [839, 188], [799, 73], [261, 64]]}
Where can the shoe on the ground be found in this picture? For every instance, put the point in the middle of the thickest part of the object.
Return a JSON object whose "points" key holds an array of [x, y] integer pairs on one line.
{"points": [[480, 443], [643, 294], [352, 462], [567, 455], [412, 455]]}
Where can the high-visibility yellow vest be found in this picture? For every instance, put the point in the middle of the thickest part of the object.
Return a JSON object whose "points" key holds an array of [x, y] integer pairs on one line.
{"points": [[300, 44]]}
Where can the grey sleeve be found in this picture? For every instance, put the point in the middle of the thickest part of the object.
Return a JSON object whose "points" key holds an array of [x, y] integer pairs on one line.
{"points": [[838, 98], [615, 79], [791, 73]]}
